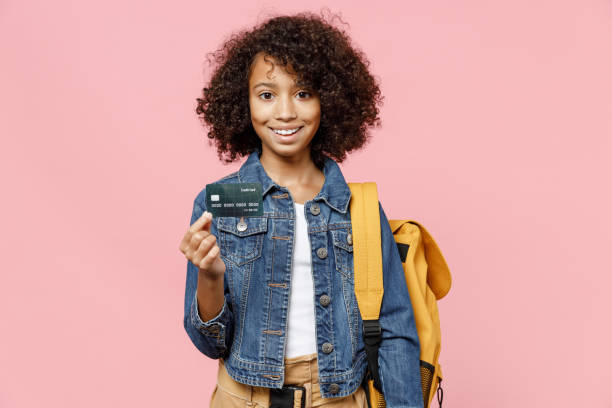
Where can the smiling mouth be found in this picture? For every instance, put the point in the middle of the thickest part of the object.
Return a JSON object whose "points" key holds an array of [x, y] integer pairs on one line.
{"points": [[287, 132]]}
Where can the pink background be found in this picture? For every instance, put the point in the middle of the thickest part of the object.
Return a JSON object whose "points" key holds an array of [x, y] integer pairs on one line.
{"points": [[502, 110]]}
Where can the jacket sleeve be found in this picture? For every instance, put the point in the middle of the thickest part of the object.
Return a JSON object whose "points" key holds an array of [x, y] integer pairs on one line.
{"points": [[399, 353], [213, 337]]}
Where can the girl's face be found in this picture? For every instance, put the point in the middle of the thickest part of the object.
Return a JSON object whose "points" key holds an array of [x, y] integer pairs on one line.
{"points": [[277, 103]]}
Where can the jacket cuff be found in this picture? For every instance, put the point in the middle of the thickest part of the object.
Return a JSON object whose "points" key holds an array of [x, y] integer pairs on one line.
{"points": [[214, 327]]}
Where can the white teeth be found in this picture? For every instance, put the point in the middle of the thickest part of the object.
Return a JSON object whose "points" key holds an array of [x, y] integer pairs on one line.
{"points": [[286, 132]]}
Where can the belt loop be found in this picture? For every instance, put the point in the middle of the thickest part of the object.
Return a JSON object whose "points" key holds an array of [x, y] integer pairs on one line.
{"points": [[297, 398]]}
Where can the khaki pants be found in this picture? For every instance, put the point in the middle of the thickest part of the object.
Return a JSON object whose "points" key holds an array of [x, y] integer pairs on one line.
{"points": [[302, 371]]}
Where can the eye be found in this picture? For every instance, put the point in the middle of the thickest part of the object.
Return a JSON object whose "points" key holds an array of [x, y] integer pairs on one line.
{"points": [[304, 93], [264, 95]]}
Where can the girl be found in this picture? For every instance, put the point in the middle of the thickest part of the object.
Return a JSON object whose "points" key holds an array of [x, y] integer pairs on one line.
{"points": [[272, 296]]}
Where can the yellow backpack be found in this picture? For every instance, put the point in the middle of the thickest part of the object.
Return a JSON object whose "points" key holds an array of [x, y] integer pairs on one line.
{"points": [[427, 277]]}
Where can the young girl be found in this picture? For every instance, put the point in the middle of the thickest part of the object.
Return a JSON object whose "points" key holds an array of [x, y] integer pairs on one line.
{"points": [[272, 296]]}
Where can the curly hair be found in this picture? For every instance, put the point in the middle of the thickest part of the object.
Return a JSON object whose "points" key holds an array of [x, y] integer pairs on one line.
{"points": [[323, 58]]}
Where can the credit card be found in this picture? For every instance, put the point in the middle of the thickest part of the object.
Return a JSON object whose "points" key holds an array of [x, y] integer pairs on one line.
{"points": [[234, 199]]}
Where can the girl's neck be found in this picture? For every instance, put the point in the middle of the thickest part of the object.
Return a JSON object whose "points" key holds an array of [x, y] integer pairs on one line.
{"points": [[298, 173], [289, 170]]}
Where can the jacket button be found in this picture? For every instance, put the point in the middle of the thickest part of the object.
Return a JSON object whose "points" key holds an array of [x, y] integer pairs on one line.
{"points": [[241, 226], [334, 388], [314, 209], [349, 239], [327, 348], [322, 252], [324, 300]]}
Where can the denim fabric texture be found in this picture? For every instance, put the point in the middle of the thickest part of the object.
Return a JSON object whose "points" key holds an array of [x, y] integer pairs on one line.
{"points": [[249, 332]]}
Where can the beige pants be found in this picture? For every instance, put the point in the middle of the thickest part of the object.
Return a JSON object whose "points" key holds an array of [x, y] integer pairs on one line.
{"points": [[302, 371]]}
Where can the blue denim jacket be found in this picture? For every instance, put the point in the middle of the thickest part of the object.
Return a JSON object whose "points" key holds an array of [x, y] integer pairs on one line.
{"points": [[249, 332]]}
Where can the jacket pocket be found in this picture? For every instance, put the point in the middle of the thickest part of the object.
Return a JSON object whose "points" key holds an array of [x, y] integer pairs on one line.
{"points": [[343, 251], [241, 239]]}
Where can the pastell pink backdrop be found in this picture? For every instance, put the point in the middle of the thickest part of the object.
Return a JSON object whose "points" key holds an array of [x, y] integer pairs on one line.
{"points": [[496, 135]]}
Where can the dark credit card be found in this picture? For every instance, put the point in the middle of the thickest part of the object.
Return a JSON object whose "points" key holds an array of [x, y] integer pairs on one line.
{"points": [[234, 200]]}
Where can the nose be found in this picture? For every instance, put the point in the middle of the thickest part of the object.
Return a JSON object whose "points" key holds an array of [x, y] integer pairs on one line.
{"points": [[285, 109]]}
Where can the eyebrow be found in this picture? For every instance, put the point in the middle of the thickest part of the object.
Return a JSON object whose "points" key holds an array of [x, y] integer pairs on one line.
{"points": [[272, 85], [266, 84]]}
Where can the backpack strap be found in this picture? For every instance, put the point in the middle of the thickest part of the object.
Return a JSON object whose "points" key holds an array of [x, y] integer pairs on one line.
{"points": [[367, 266]]}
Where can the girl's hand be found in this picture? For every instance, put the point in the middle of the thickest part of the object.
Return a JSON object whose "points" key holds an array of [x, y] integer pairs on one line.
{"points": [[200, 247]]}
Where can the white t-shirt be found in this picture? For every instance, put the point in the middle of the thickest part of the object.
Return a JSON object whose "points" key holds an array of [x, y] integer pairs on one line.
{"points": [[301, 334]]}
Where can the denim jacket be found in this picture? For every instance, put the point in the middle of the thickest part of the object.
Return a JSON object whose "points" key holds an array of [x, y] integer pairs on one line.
{"points": [[250, 331]]}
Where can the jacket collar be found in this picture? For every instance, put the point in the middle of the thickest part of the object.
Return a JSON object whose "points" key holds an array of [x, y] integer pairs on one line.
{"points": [[335, 191]]}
